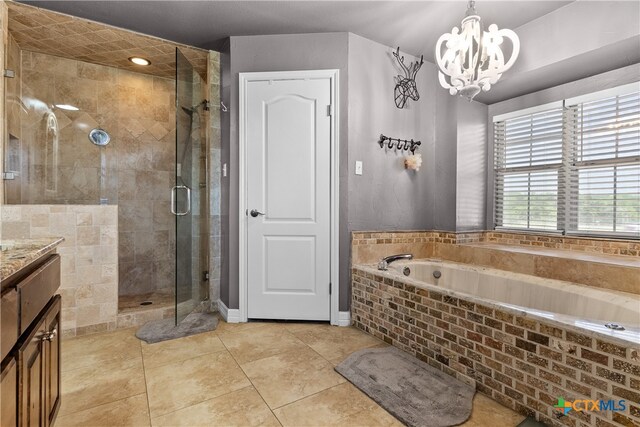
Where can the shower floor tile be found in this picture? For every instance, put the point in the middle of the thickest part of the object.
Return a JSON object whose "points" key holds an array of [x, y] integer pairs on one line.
{"points": [[214, 379], [129, 303]]}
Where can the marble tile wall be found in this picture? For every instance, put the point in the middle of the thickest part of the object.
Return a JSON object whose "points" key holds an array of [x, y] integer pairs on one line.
{"points": [[14, 109], [4, 33], [135, 171], [89, 258]]}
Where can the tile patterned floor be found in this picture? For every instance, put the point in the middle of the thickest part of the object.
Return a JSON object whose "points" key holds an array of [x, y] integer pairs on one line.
{"points": [[251, 374]]}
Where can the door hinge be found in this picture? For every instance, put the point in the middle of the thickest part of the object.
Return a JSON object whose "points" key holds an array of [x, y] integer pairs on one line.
{"points": [[330, 110], [330, 288], [205, 276]]}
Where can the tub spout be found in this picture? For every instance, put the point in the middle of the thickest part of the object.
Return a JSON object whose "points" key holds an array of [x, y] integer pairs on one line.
{"points": [[384, 262]]}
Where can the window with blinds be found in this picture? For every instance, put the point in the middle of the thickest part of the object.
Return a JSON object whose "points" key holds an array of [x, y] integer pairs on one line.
{"points": [[572, 167], [528, 161], [603, 137]]}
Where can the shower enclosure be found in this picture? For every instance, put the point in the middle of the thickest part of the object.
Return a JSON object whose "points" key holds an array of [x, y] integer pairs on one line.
{"points": [[188, 195], [89, 128]]}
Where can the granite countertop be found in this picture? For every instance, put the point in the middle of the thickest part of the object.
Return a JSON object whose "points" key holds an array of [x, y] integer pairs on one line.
{"points": [[17, 254]]}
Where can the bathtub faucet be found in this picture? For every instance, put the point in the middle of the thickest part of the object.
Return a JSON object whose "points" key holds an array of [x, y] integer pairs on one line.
{"points": [[384, 262]]}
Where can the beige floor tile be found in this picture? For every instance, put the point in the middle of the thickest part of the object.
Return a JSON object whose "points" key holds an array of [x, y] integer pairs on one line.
{"points": [[180, 384], [244, 407], [258, 343], [227, 328], [375, 417], [92, 386], [306, 326], [179, 349], [119, 348], [132, 411], [290, 376], [487, 412], [336, 342], [343, 404]]}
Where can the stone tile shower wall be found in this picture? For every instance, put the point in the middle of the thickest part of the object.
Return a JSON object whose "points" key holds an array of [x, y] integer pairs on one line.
{"points": [[4, 32], [523, 363], [138, 111], [215, 177], [13, 105]]}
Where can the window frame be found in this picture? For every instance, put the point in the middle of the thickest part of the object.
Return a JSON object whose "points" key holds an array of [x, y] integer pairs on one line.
{"points": [[566, 217]]}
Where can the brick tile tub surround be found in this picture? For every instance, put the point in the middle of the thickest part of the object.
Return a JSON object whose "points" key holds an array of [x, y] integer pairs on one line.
{"points": [[601, 263], [520, 360]]}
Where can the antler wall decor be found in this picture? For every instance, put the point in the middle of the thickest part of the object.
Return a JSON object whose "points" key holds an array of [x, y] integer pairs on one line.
{"points": [[406, 85]]}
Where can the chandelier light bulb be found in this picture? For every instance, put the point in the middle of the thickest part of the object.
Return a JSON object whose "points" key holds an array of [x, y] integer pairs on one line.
{"points": [[472, 59]]}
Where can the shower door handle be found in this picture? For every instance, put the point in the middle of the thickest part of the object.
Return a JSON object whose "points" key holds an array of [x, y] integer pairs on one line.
{"points": [[174, 190]]}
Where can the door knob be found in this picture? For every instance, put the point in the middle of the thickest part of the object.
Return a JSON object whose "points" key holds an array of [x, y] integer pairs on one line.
{"points": [[254, 213]]}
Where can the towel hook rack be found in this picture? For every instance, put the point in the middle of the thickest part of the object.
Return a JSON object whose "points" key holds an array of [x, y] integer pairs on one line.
{"points": [[400, 144]]}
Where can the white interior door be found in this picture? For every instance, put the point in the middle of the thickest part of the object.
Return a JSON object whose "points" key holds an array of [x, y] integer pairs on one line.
{"points": [[288, 134]]}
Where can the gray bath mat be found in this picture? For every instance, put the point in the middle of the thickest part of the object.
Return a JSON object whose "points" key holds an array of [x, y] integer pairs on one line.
{"points": [[414, 392], [165, 329]]}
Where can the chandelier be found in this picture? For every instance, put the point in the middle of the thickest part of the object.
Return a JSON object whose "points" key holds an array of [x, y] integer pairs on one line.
{"points": [[473, 59]]}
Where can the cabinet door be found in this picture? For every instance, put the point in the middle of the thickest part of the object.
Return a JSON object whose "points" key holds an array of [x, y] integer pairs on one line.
{"points": [[31, 362], [52, 360], [9, 393]]}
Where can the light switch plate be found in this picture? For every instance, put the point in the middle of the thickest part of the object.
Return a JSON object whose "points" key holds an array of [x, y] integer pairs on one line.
{"points": [[358, 167]]}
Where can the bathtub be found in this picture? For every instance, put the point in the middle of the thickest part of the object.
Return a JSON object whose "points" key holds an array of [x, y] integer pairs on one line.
{"points": [[519, 339], [572, 304]]}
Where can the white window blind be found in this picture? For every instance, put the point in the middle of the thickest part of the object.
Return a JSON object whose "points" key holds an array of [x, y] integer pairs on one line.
{"points": [[574, 169], [528, 161], [603, 138]]}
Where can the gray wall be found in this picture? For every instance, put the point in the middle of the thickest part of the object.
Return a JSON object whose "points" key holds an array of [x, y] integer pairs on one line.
{"points": [[282, 53], [225, 157], [386, 196], [445, 154], [471, 167], [581, 39], [595, 83], [460, 163]]}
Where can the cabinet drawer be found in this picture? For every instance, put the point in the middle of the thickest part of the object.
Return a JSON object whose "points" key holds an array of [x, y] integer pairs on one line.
{"points": [[9, 321], [37, 289]]}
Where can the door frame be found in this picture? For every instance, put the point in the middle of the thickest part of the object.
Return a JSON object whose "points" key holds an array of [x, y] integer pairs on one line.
{"points": [[244, 79]]}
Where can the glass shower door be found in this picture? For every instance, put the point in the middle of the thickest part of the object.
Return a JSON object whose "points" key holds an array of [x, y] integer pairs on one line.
{"points": [[189, 191]]}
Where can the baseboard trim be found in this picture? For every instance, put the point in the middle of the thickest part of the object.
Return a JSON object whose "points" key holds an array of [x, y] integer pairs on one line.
{"points": [[230, 315], [344, 318]]}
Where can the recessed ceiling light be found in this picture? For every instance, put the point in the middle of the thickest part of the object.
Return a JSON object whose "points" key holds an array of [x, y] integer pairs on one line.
{"points": [[67, 107], [139, 61]]}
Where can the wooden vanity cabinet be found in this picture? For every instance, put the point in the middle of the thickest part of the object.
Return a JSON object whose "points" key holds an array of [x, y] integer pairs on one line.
{"points": [[39, 362], [52, 360], [31, 368], [9, 392], [31, 387]]}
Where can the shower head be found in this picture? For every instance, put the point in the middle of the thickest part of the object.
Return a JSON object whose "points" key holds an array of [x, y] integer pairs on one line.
{"points": [[99, 137], [189, 111], [194, 109]]}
